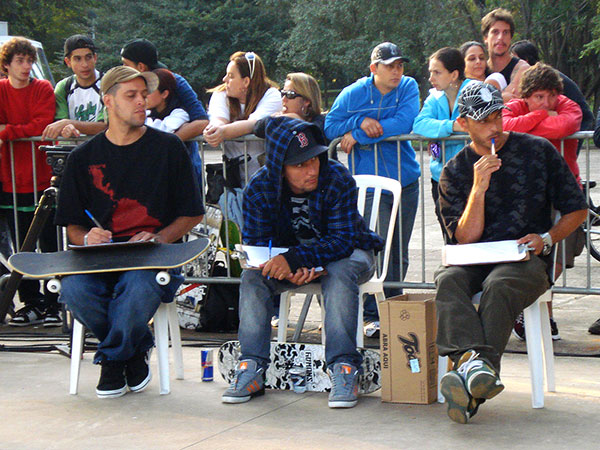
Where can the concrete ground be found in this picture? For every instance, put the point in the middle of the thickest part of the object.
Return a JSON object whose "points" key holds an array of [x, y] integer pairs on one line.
{"points": [[37, 412]]}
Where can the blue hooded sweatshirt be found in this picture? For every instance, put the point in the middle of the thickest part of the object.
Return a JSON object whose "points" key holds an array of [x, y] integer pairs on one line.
{"points": [[332, 206], [435, 121], [395, 111]]}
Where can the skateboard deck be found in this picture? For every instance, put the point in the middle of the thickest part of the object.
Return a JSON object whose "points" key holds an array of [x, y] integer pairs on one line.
{"points": [[107, 258], [308, 359]]}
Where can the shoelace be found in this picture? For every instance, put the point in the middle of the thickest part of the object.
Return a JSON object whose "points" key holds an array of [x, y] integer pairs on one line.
{"points": [[469, 364]]}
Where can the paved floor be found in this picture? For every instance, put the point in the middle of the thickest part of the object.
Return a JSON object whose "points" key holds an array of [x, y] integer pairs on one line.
{"points": [[37, 413]]}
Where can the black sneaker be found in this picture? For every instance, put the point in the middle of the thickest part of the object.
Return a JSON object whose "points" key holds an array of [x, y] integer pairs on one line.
{"points": [[138, 371], [554, 329], [519, 328], [112, 380], [28, 315], [52, 317]]}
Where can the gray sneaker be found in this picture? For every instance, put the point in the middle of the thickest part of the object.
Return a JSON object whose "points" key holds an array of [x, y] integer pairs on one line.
{"points": [[248, 382], [344, 386], [481, 380]]}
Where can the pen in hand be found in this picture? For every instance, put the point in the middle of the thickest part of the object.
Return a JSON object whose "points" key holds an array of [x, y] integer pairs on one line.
{"points": [[93, 219]]}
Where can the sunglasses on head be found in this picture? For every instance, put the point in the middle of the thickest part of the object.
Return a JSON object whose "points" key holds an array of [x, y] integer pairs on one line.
{"points": [[251, 58], [291, 95]]}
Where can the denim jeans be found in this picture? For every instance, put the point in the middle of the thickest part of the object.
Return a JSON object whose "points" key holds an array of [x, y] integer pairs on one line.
{"points": [[506, 290], [117, 307], [409, 203], [340, 300]]}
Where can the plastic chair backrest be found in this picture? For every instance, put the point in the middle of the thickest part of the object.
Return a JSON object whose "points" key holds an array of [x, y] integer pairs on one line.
{"points": [[379, 184]]}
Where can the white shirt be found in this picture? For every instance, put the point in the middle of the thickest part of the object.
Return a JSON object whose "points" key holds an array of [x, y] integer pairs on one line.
{"points": [[270, 103], [171, 123]]}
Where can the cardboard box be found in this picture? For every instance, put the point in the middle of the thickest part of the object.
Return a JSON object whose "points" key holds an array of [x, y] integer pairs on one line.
{"points": [[408, 350]]}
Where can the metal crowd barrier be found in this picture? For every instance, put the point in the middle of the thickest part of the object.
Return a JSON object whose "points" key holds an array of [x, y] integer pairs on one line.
{"points": [[426, 240]]}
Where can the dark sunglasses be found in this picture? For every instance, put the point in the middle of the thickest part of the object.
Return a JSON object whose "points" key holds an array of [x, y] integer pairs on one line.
{"points": [[291, 95]]}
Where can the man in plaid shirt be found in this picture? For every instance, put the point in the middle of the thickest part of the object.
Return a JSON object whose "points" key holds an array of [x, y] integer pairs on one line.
{"points": [[304, 202]]}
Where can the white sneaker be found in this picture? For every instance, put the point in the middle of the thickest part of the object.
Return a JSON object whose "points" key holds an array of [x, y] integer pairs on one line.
{"points": [[371, 329]]}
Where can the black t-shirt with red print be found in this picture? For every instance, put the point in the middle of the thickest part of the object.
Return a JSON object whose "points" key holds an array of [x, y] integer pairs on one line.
{"points": [[143, 186]]}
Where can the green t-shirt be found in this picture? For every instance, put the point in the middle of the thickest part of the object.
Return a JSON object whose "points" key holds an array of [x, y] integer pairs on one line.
{"points": [[79, 103]]}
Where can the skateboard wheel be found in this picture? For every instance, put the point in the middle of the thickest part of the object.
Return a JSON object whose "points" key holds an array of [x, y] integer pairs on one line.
{"points": [[54, 286], [163, 278]]}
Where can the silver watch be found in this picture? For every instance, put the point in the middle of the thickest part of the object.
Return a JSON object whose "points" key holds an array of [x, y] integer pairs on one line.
{"points": [[547, 239], [85, 239]]}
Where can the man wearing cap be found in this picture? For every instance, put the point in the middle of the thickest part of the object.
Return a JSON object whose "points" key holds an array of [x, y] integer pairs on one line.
{"points": [[501, 186], [304, 202], [366, 112], [141, 54], [79, 109], [138, 184]]}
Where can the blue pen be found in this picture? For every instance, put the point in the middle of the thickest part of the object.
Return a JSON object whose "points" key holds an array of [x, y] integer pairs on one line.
{"points": [[270, 246], [493, 146], [89, 214]]}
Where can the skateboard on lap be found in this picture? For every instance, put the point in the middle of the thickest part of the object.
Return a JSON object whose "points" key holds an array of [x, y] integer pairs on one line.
{"points": [[110, 257], [289, 358]]}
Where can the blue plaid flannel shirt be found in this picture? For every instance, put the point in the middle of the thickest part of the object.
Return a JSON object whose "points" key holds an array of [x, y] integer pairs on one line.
{"points": [[332, 206]]}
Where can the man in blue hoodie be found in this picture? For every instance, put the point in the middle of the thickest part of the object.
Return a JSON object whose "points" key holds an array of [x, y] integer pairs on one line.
{"points": [[307, 203], [365, 113]]}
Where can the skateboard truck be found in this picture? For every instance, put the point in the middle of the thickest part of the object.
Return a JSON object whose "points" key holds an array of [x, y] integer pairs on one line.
{"points": [[162, 278]]}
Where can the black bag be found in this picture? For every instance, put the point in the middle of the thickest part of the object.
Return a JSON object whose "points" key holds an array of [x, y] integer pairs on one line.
{"points": [[216, 180], [220, 311]]}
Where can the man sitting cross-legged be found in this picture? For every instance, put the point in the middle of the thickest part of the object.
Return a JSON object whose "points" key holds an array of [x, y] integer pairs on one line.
{"points": [[492, 196], [308, 203]]}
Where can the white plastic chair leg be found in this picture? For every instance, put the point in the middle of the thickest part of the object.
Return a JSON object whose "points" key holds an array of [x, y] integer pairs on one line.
{"points": [[284, 313], [533, 334], [442, 369], [548, 347], [76, 352], [360, 338], [161, 334], [175, 335]]}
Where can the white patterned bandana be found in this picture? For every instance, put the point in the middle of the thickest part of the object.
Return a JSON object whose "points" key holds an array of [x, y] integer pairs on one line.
{"points": [[478, 100]]}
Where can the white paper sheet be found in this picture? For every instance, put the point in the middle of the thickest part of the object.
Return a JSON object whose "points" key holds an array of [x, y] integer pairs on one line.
{"points": [[484, 253]]}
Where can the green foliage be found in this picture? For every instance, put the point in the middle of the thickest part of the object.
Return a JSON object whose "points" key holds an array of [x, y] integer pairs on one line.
{"points": [[331, 39], [47, 21]]}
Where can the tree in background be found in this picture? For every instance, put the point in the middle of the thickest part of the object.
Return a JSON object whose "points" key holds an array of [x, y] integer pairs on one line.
{"points": [[47, 21], [330, 39]]}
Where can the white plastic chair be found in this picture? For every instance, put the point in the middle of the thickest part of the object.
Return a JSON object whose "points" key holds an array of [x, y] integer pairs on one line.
{"points": [[373, 286], [539, 349], [166, 324]]}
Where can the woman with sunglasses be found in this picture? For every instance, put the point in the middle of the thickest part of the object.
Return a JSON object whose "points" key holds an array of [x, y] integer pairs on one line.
{"points": [[245, 96]]}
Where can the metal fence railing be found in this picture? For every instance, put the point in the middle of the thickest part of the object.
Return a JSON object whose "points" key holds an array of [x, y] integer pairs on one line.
{"points": [[426, 241]]}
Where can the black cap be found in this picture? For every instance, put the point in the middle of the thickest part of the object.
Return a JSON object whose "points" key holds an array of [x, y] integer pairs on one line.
{"points": [[144, 51], [386, 53], [305, 144], [78, 41]]}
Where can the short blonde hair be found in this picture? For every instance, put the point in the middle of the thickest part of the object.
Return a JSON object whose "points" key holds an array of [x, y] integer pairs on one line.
{"points": [[307, 87]]}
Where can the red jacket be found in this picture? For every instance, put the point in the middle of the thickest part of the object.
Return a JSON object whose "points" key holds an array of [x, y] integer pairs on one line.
{"points": [[553, 128], [25, 112]]}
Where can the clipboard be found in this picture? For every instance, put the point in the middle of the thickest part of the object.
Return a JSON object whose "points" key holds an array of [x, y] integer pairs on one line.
{"points": [[252, 256], [484, 253]]}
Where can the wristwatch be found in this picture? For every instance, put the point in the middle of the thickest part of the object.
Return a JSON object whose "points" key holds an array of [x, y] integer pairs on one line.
{"points": [[85, 240], [547, 243]]}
